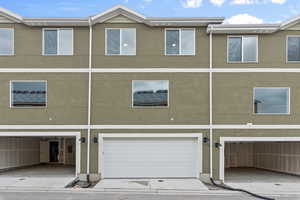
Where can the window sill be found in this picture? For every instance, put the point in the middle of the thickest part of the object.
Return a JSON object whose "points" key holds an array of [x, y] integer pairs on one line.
{"points": [[7, 55], [254, 62], [180, 55], [150, 107], [119, 55], [271, 114], [57, 55], [37, 107]]}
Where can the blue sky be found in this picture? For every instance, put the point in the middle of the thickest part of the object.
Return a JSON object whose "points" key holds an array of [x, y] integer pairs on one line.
{"points": [[236, 11]]}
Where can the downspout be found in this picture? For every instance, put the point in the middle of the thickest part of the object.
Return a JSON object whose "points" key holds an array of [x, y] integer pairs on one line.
{"points": [[89, 101], [210, 104]]}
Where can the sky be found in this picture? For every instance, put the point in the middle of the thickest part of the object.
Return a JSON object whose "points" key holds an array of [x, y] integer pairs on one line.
{"points": [[235, 11]]}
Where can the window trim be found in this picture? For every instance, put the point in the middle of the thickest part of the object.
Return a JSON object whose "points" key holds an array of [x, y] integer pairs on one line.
{"points": [[242, 61], [58, 40], [180, 30], [288, 100], [28, 107], [150, 107], [12, 43], [287, 49], [121, 33]]}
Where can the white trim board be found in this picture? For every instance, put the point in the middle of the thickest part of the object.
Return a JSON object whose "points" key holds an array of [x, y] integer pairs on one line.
{"points": [[51, 134], [216, 126], [223, 140], [148, 70], [199, 137], [42, 127]]}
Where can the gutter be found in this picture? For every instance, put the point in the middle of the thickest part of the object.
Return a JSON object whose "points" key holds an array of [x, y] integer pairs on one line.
{"points": [[210, 103], [89, 100]]}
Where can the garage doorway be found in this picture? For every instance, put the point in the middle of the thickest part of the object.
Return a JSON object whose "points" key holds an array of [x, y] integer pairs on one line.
{"points": [[39, 158], [150, 155], [259, 155]]}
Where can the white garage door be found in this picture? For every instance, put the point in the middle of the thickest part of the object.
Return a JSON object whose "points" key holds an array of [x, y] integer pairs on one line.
{"points": [[150, 157]]}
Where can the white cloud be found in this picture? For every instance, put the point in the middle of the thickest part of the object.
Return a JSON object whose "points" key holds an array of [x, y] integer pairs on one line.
{"points": [[191, 3], [243, 19], [217, 2], [279, 1]]}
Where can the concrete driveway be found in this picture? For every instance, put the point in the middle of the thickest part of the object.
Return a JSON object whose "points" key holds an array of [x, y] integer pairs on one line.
{"points": [[151, 185], [41, 176], [262, 181]]}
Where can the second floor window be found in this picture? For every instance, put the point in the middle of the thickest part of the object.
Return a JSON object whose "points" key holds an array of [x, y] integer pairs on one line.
{"points": [[150, 93], [271, 100], [6, 41], [28, 93], [58, 41], [293, 51], [242, 49], [180, 42], [120, 41]]}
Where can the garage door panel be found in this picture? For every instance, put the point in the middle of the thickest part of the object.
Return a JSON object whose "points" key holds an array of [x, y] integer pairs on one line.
{"points": [[150, 157]]}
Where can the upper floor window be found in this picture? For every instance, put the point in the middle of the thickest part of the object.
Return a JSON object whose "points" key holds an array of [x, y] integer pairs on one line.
{"points": [[6, 41], [180, 41], [150, 93], [271, 100], [58, 41], [242, 48], [28, 93], [293, 48], [120, 41]]}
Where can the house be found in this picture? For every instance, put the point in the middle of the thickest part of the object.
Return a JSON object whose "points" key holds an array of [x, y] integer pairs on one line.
{"points": [[121, 95]]}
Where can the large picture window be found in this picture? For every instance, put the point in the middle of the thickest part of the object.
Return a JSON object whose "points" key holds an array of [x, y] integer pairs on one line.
{"points": [[58, 41], [271, 100], [293, 48], [28, 93], [242, 49], [6, 41], [150, 93], [180, 41], [121, 41]]}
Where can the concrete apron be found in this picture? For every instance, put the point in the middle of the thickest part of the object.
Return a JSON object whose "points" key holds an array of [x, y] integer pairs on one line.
{"points": [[34, 182], [151, 185], [37, 177]]}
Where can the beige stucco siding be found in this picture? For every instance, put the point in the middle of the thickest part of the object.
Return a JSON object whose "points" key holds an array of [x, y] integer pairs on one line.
{"points": [[112, 99], [67, 100], [233, 97], [150, 42], [245, 133], [28, 44], [271, 51]]}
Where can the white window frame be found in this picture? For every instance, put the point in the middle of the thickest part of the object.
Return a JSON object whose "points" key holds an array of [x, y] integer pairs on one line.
{"points": [[180, 30], [12, 43], [58, 40], [121, 38], [132, 106], [242, 36], [31, 107], [287, 49], [288, 100]]}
